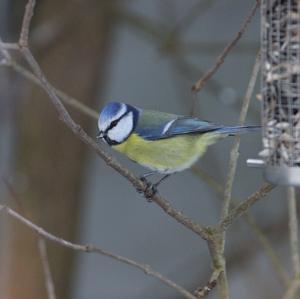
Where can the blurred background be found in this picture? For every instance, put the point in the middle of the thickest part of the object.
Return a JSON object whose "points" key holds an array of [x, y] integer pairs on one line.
{"points": [[146, 53]]}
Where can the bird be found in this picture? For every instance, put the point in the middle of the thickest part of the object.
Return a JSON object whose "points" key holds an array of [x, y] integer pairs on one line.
{"points": [[162, 142]]}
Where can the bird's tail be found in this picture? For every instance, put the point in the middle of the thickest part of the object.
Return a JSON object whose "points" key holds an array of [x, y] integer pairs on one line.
{"points": [[238, 129]]}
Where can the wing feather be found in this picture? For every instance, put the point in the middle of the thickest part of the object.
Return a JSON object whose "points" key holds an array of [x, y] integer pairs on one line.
{"points": [[156, 125]]}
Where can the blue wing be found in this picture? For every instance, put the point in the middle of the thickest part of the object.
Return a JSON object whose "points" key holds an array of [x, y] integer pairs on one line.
{"points": [[154, 125]]}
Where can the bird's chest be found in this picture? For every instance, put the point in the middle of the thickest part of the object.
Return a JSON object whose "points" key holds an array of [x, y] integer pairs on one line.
{"points": [[164, 155]]}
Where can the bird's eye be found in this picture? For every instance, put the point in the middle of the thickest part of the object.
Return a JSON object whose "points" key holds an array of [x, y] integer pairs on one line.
{"points": [[114, 123]]}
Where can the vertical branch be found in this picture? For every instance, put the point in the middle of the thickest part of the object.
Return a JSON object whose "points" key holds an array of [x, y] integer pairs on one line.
{"points": [[234, 154], [49, 284], [46, 269], [29, 10], [217, 250], [293, 226]]}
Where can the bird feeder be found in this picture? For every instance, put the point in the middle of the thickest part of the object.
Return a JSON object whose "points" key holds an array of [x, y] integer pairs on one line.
{"points": [[280, 90]]}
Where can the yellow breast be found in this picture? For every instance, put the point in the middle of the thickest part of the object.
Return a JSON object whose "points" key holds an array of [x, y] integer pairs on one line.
{"points": [[167, 155]]}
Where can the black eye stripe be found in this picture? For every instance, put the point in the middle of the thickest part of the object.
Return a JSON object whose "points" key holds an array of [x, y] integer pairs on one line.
{"points": [[115, 122]]}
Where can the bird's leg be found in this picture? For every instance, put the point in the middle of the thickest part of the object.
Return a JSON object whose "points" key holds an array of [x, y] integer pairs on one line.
{"points": [[162, 179], [152, 188], [145, 175]]}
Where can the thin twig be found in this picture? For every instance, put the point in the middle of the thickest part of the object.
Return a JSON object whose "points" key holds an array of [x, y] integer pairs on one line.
{"points": [[49, 284], [243, 207], [205, 290], [46, 269], [95, 249], [11, 46], [29, 10], [234, 153], [4, 50], [293, 227], [220, 59]]}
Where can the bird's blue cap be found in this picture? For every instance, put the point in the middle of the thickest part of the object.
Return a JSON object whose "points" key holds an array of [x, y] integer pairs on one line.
{"points": [[110, 110]]}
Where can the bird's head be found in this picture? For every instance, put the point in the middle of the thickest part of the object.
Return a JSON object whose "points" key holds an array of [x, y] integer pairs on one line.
{"points": [[116, 122]]}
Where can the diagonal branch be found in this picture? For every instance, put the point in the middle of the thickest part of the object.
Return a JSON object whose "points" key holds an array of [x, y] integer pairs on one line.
{"points": [[243, 207], [220, 59], [95, 249]]}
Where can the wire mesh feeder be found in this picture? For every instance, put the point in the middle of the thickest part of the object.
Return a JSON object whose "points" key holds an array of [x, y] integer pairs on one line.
{"points": [[280, 50]]}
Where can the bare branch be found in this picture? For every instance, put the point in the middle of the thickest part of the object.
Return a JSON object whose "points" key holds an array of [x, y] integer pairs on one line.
{"points": [[95, 249], [243, 207], [46, 267], [204, 291], [10, 46], [203, 232], [220, 59], [29, 9], [4, 50], [234, 153], [293, 227]]}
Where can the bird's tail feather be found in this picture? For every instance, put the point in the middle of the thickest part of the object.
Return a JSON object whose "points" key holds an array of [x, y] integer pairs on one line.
{"points": [[238, 129]]}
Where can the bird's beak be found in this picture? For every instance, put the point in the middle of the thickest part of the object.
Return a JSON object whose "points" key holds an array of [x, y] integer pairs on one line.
{"points": [[100, 135]]}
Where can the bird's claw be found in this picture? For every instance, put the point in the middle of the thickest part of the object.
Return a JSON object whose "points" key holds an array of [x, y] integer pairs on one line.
{"points": [[150, 190]]}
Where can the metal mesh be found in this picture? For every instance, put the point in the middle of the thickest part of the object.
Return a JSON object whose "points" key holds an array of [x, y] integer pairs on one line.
{"points": [[281, 82]]}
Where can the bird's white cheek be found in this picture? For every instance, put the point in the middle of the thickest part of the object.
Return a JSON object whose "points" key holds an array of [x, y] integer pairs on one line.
{"points": [[122, 130]]}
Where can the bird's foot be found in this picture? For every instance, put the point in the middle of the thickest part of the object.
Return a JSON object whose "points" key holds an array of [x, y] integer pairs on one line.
{"points": [[150, 190]]}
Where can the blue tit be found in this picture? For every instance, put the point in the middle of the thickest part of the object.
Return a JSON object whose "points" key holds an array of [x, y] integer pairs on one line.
{"points": [[165, 143]]}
